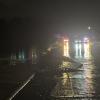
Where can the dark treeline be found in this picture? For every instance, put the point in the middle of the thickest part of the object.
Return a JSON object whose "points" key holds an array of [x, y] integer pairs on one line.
{"points": [[22, 33]]}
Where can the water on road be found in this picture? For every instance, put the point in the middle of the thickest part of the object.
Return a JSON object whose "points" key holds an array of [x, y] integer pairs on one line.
{"points": [[83, 83]]}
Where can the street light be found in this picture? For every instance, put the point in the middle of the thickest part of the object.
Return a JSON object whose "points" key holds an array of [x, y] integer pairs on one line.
{"points": [[89, 28]]}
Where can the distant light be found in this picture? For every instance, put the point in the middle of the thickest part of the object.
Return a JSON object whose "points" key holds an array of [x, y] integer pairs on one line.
{"points": [[76, 50], [86, 50], [66, 47], [66, 40], [86, 39], [89, 28], [76, 41], [49, 49]]}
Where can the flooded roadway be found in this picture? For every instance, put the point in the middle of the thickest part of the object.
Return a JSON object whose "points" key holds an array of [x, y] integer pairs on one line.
{"points": [[83, 83], [77, 84]]}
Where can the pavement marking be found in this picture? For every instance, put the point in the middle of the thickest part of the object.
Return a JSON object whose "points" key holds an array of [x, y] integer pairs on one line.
{"points": [[20, 88]]}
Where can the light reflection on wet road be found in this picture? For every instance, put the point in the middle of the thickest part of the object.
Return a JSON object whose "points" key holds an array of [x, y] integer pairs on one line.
{"points": [[79, 83], [75, 83]]}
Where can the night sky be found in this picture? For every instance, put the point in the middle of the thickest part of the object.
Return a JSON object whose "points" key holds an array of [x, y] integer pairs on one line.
{"points": [[25, 23]]}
